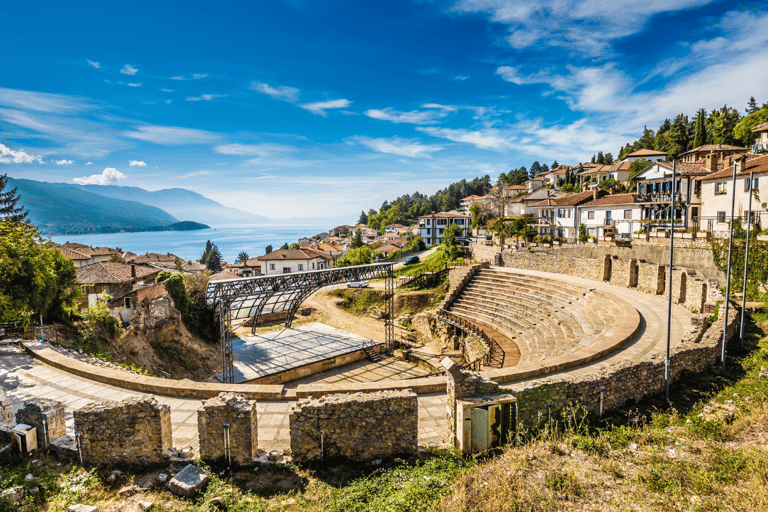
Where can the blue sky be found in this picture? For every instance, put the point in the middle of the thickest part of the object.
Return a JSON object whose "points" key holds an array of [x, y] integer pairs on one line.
{"points": [[301, 108]]}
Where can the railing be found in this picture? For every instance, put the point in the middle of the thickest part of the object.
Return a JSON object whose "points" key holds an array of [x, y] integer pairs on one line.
{"points": [[658, 197], [494, 354]]}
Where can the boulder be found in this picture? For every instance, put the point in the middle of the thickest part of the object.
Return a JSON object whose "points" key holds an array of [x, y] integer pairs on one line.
{"points": [[15, 494], [189, 481], [82, 508]]}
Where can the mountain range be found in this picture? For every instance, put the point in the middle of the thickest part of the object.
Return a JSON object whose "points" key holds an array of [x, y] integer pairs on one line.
{"points": [[63, 208]]}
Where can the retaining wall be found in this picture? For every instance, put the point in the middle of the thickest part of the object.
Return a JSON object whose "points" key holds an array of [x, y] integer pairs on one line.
{"points": [[6, 408], [358, 426], [240, 415], [133, 431]]}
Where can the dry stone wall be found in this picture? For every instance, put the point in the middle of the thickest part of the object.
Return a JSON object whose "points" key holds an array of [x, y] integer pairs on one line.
{"points": [[650, 278], [133, 431], [357, 426], [630, 380], [47, 416], [464, 384], [240, 415]]}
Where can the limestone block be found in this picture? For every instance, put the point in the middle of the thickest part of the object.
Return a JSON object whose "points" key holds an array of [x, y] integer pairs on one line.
{"points": [[47, 416], [82, 508], [189, 481]]}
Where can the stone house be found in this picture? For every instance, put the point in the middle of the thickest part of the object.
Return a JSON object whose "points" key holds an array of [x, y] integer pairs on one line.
{"points": [[618, 171], [432, 226], [82, 254], [761, 137], [125, 299], [717, 191], [247, 268], [289, 261], [522, 205], [385, 250], [108, 277], [720, 150]]}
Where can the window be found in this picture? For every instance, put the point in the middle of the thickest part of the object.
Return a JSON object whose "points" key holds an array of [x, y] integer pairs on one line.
{"points": [[286, 270], [720, 217], [271, 266], [627, 214], [720, 187], [128, 302], [754, 184], [591, 215], [313, 265], [608, 215], [301, 266]]}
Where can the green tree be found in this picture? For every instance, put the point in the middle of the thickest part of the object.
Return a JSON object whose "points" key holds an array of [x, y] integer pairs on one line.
{"points": [[36, 278], [204, 257], [476, 211], [357, 241], [751, 105], [742, 132], [636, 166], [678, 137], [582, 233], [359, 256], [268, 249], [600, 158], [284, 247], [609, 158], [535, 169], [724, 122], [213, 261], [294, 246], [554, 165], [243, 256], [701, 129], [9, 212], [363, 218]]}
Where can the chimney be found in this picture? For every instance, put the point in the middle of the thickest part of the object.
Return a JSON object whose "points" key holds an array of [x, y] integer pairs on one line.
{"points": [[740, 163], [584, 187], [133, 273], [610, 191], [711, 161], [594, 194]]}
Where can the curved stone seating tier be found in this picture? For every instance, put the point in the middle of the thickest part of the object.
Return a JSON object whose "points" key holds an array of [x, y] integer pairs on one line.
{"points": [[553, 323]]}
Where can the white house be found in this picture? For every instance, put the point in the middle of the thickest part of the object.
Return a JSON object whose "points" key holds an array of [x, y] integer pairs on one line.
{"points": [[611, 214], [618, 171], [648, 154], [288, 261], [431, 227], [717, 191], [761, 137], [559, 216]]}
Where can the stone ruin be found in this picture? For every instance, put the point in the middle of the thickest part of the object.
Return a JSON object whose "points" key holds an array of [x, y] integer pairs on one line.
{"points": [[355, 426], [6, 408], [240, 415], [47, 416]]}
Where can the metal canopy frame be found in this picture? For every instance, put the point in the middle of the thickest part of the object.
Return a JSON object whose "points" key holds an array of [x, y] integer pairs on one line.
{"points": [[250, 297]]}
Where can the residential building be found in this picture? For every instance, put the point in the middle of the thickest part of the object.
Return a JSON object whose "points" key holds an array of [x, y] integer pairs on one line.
{"points": [[522, 205], [152, 257], [485, 202], [717, 192], [394, 228], [94, 254], [761, 138], [288, 261], [618, 171], [247, 268], [558, 216], [611, 214], [700, 153], [77, 257], [536, 183], [109, 276], [385, 250], [433, 226], [647, 154], [339, 230], [125, 299]]}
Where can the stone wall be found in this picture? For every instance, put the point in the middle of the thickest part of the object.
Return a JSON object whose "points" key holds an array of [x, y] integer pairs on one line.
{"points": [[545, 262], [696, 295], [621, 271], [458, 278], [47, 416], [630, 380], [651, 278], [464, 384], [237, 412], [357, 426], [133, 431], [6, 408]]}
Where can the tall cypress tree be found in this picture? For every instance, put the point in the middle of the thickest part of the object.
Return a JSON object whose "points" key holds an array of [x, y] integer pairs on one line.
{"points": [[701, 129], [204, 257], [213, 261], [9, 212]]}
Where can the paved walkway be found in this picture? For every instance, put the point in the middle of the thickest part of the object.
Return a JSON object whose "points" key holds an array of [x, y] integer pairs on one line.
{"points": [[24, 378]]}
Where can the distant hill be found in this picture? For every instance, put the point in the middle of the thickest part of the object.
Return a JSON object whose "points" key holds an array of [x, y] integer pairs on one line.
{"points": [[179, 202], [61, 208]]}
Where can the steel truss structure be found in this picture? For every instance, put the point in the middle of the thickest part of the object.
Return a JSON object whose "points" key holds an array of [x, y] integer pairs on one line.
{"points": [[255, 296]]}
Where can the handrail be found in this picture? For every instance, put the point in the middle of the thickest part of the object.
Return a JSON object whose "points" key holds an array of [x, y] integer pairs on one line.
{"points": [[491, 346]]}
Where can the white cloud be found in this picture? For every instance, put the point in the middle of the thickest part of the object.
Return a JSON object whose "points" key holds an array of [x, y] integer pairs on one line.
{"points": [[320, 107], [461, 78], [485, 138], [168, 102], [93, 64], [198, 76], [252, 149], [206, 97], [64, 162], [43, 102], [171, 135], [412, 117], [412, 148], [9, 156], [129, 70], [138, 84], [136, 163], [281, 92], [166, 90], [89, 163], [178, 78], [107, 176]]}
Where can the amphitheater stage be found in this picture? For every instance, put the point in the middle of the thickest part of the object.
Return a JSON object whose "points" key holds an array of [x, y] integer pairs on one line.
{"points": [[287, 354]]}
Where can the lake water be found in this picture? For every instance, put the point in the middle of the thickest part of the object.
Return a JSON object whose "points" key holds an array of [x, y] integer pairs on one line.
{"points": [[190, 245]]}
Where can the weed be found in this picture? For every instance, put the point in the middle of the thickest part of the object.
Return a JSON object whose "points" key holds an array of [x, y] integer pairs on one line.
{"points": [[565, 483]]}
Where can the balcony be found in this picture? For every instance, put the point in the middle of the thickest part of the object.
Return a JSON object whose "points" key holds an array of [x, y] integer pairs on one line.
{"points": [[658, 197]]}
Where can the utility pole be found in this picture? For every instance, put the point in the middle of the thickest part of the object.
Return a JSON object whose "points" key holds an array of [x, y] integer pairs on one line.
{"points": [[746, 261], [728, 277], [669, 286]]}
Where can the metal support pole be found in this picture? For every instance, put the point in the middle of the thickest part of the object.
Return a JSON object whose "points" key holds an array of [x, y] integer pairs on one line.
{"points": [[227, 446], [602, 391], [669, 286], [746, 261], [728, 278]]}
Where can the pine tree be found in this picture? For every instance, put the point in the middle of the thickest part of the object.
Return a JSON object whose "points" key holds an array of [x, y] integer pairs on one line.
{"points": [[204, 257], [363, 218], [593, 159], [751, 105], [8, 210], [284, 247], [701, 129], [268, 249], [213, 261], [600, 158], [243, 256], [357, 241], [535, 168], [609, 158], [554, 165]]}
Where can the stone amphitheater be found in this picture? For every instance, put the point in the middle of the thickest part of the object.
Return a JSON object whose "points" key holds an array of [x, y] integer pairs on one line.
{"points": [[592, 331]]}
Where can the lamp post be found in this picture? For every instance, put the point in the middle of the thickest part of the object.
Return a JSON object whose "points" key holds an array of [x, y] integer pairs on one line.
{"points": [[728, 277], [669, 286], [746, 261]]}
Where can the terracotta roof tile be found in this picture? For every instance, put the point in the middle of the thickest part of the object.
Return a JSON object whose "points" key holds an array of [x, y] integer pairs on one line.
{"points": [[646, 152], [706, 148], [293, 254], [760, 128], [611, 199], [109, 272], [756, 165]]}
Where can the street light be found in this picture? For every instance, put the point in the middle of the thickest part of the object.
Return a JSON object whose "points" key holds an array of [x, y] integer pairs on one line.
{"points": [[669, 286], [746, 261], [728, 277]]}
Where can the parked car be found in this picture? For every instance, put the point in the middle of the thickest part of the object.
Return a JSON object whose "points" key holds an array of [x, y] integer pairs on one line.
{"points": [[464, 241], [358, 284], [410, 260]]}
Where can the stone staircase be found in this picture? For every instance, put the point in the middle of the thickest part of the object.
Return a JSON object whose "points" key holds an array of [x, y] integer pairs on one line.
{"points": [[372, 354], [535, 319]]}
